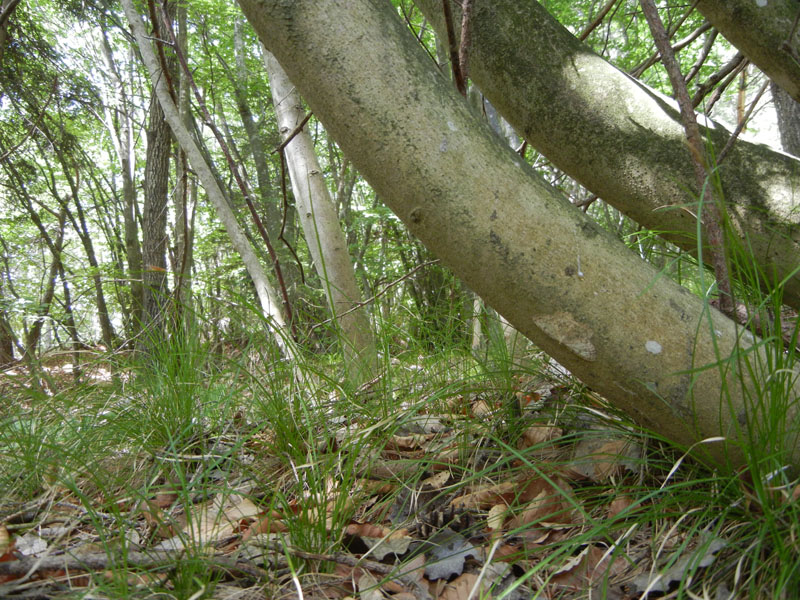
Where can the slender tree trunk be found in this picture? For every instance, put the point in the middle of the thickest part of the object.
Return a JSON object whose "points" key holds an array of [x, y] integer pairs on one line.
{"points": [[55, 246], [7, 336], [119, 128], [267, 190], [324, 236], [154, 220], [581, 295], [477, 328], [255, 144], [7, 7], [154, 217], [71, 173], [185, 197], [106, 327], [72, 327], [35, 332], [270, 304]]}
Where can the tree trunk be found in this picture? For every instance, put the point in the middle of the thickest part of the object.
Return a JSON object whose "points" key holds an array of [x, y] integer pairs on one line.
{"points": [[154, 219], [269, 302], [571, 287], [55, 245], [622, 140], [6, 9], [788, 110], [268, 198], [762, 30], [256, 146], [186, 195], [324, 236], [71, 325], [7, 337], [119, 129], [514, 341]]}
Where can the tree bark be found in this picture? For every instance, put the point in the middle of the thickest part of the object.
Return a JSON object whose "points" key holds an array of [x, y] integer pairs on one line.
{"points": [[765, 31], [788, 110], [154, 221], [571, 287], [624, 141], [6, 9], [269, 302], [154, 210], [324, 236]]}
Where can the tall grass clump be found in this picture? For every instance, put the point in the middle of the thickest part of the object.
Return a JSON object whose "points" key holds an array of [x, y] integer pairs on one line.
{"points": [[173, 381], [760, 517]]}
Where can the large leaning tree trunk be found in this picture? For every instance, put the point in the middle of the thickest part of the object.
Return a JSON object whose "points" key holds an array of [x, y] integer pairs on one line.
{"points": [[269, 302], [571, 287], [324, 236], [765, 31], [622, 140], [788, 112]]}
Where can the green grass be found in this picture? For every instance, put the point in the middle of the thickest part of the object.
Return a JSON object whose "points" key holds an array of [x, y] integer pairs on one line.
{"points": [[215, 424]]}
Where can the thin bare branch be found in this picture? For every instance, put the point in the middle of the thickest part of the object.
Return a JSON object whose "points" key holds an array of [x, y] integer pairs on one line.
{"points": [[599, 19], [713, 222]]}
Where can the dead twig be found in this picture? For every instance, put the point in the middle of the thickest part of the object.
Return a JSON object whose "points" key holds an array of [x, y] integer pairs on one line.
{"points": [[729, 144], [458, 76], [353, 561], [244, 188], [379, 294], [100, 560], [466, 39]]}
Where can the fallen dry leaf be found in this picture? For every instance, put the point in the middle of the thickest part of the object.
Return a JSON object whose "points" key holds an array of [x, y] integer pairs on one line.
{"points": [[382, 546], [366, 530], [538, 434], [617, 505], [368, 588], [481, 409], [487, 497], [461, 586], [271, 523], [436, 481], [588, 567], [5, 541], [212, 521], [495, 519], [408, 442], [547, 504], [599, 457]]}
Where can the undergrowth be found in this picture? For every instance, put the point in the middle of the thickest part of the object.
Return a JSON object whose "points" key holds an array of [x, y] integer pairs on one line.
{"points": [[193, 469]]}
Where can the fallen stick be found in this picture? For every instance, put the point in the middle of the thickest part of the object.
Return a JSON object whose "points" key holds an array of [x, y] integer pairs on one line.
{"points": [[100, 560]]}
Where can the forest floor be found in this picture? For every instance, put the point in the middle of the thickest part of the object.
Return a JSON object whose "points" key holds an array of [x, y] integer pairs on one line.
{"points": [[444, 479]]}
